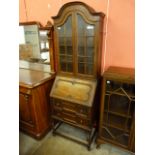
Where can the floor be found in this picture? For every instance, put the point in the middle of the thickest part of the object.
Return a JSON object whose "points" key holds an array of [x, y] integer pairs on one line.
{"points": [[57, 145]]}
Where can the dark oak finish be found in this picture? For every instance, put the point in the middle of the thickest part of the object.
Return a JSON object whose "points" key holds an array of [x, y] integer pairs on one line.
{"points": [[77, 37], [117, 108], [34, 108]]}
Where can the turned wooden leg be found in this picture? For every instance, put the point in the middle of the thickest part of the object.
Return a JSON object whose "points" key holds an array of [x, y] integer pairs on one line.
{"points": [[89, 147]]}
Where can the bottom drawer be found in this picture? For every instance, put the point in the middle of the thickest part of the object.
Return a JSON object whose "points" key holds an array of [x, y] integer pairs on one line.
{"points": [[71, 117], [82, 121]]}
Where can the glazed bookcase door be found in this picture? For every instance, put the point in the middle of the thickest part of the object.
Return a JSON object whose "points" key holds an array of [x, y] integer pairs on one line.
{"points": [[65, 45], [85, 46], [76, 41], [118, 114]]}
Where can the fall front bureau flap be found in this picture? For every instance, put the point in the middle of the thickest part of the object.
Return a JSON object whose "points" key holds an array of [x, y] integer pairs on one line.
{"points": [[74, 90]]}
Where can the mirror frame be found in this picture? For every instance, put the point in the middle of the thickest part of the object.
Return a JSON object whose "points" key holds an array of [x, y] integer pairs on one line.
{"points": [[48, 27]]}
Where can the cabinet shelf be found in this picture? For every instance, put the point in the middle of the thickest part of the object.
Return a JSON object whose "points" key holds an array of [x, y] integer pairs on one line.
{"points": [[118, 114], [117, 122]]}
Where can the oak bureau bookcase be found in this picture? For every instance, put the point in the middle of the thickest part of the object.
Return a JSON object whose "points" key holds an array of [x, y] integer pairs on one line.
{"points": [[77, 37]]}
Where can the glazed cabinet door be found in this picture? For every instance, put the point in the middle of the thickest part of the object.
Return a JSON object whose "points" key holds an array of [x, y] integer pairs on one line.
{"points": [[118, 116], [65, 45], [85, 45], [25, 109], [77, 45]]}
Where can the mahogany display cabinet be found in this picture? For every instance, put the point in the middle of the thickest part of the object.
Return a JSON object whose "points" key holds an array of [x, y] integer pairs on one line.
{"points": [[77, 37], [117, 108]]}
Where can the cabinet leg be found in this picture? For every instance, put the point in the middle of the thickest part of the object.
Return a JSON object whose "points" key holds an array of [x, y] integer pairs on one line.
{"points": [[89, 148], [53, 133]]}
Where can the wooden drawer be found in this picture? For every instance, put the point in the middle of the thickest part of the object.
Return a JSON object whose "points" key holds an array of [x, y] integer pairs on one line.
{"points": [[71, 112], [69, 117], [82, 121], [66, 106], [70, 107], [83, 110]]}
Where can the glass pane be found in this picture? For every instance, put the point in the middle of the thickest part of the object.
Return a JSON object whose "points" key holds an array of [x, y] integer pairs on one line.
{"points": [[90, 60], [89, 69], [63, 66], [89, 51], [61, 41], [62, 49], [119, 104], [69, 45], [81, 50], [60, 31], [62, 58], [81, 59], [90, 41], [68, 58], [90, 30], [81, 68], [69, 67], [68, 26], [69, 50]]}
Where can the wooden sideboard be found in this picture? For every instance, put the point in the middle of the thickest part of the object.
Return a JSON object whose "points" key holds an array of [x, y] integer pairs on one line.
{"points": [[34, 89]]}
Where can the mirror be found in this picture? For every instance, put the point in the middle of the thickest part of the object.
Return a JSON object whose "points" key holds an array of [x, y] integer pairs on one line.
{"points": [[35, 43]]}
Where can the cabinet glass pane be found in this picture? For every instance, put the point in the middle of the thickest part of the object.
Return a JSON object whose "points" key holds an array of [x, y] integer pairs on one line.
{"points": [[65, 45], [69, 67], [81, 59], [63, 58], [81, 50], [85, 42], [115, 135], [89, 69], [120, 87], [119, 104], [63, 66], [81, 68]]}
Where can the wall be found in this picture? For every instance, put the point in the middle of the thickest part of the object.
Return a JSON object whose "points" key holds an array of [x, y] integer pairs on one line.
{"points": [[118, 42]]}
